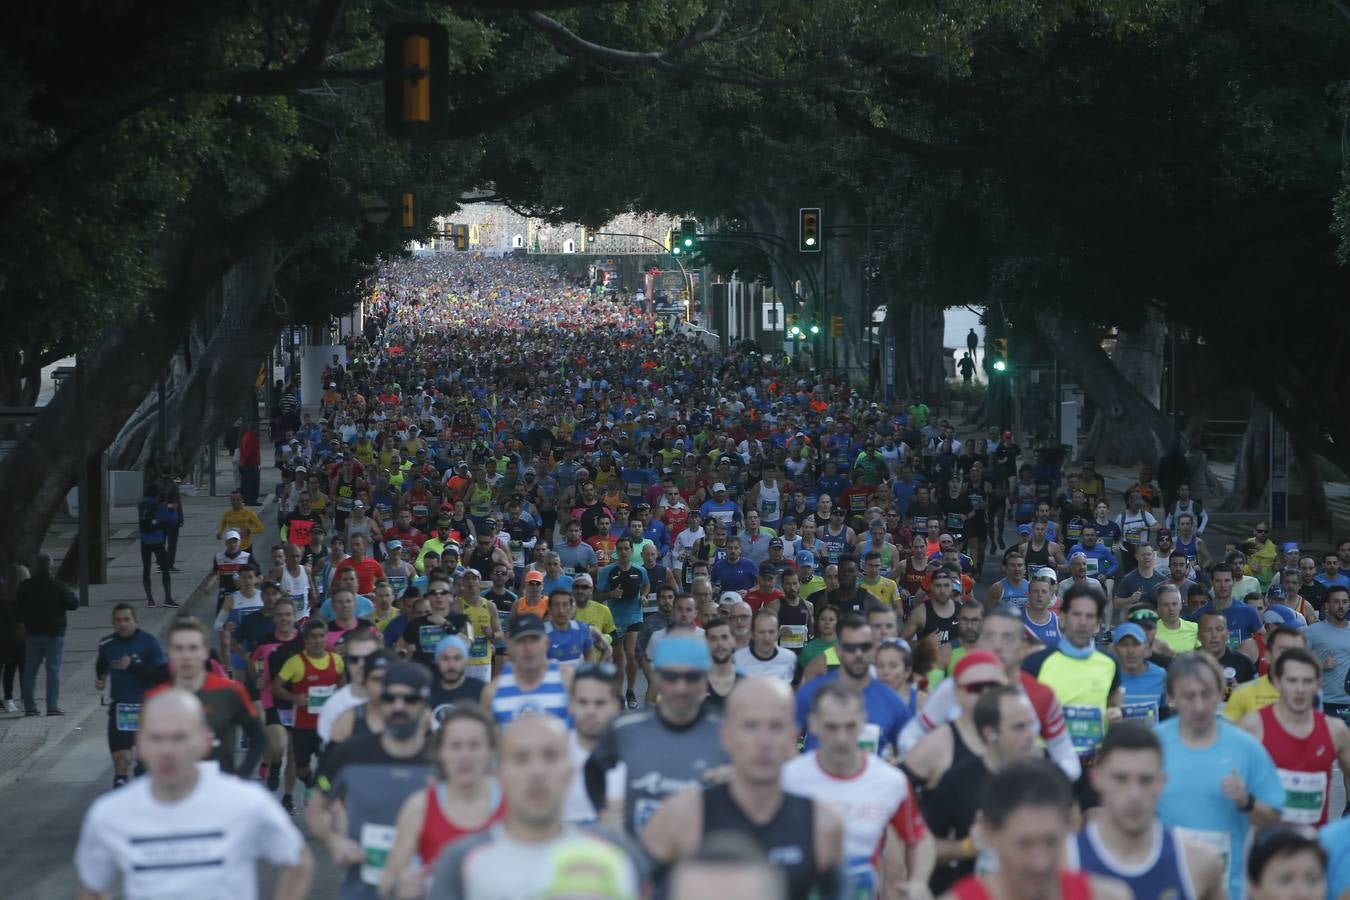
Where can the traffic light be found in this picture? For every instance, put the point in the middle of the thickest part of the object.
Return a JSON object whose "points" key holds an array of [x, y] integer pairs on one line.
{"points": [[1000, 354], [461, 236], [794, 331], [407, 212], [688, 234], [808, 236], [814, 328], [836, 326], [590, 236], [416, 106]]}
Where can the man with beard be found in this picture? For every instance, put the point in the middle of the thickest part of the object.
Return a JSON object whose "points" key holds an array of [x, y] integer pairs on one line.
{"points": [[365, 780], [452, 684]]}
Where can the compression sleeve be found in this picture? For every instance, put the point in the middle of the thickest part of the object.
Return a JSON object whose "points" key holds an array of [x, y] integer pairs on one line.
{"points": [[938, 710], [1062, 753]]}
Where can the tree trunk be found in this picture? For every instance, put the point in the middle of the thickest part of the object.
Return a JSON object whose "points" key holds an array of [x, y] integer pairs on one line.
{"points": [[1139, 357], [205, 397], [1252, 474], [37, 473], [1127, 429]]}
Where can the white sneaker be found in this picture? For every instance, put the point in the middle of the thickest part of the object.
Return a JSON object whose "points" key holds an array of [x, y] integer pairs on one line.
{"points": [[11, 706]]}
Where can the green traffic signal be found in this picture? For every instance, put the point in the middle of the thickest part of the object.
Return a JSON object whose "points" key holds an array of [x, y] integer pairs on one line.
{"points": [[1000, 366], [815, 329], [675, 250]]}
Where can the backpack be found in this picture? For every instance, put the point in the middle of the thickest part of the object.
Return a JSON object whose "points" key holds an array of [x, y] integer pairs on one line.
{"points": [[149, 515]]}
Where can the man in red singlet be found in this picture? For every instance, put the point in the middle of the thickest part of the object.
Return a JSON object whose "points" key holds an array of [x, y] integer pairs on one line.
{"points": [[1027, 808], [1302, 741]]}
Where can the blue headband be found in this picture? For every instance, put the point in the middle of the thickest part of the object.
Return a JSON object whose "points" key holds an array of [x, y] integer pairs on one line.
{"points": [[452, 640], [682, 650]]}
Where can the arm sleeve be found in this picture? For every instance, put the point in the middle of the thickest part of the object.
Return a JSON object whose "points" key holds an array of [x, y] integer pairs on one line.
{"points": [[603, 758], [101, 665], [1061, 752], [936, 711]]}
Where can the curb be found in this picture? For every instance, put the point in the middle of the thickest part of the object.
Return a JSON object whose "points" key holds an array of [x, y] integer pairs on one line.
{"points": [[69, 724]]}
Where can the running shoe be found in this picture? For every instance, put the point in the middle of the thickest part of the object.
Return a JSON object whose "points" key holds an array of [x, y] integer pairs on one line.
{"points": [[11, 706], [150, 602], [288, 804], [171, 603], [274, 778], [632, 700]]}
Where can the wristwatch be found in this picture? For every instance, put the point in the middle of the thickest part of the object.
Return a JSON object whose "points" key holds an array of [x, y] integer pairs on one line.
{"points": [[1247, 805]]}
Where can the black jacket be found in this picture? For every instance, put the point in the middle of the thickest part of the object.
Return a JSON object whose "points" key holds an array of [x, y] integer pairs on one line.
{"points": [[42, 604]]}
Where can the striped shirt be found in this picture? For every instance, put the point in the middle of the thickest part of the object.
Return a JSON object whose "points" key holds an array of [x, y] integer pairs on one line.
{"points": [[550, 696]]}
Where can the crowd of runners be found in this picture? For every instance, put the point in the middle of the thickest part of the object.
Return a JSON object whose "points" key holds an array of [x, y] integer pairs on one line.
{"points": [[553, 601]]}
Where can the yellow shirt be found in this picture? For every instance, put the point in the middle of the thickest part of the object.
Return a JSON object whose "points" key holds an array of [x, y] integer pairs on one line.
{"points": [[245, 521], [382, 623], [885, 590], [293, 670], [810, 587], [1183, 639], [1250, 697], [482, 617], [598, 616]]}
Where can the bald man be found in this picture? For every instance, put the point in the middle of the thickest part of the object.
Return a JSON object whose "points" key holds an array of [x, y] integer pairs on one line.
{"points": [[523, 856], [803, 837], [186, 824]]}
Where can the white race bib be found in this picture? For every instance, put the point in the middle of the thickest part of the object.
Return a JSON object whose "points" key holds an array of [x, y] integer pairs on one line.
{"points": [[318, 696], [1305, 795], [795, 639], [376, 842]]}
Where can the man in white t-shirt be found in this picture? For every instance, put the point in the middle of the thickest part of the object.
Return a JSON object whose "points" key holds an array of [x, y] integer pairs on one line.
{"points": [[188, 829], [763, 656]]}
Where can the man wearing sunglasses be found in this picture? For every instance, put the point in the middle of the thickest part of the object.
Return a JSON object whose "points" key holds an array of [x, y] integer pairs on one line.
{"points": [[666, 749], [857, 651], [364, 781]]}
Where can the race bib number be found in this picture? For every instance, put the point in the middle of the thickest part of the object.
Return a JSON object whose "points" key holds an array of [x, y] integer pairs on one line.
{"points": [[127, 716], [428, 636], [1093, 565], [768, 510], [1144, 709], [643, 810], [1218, 841], [862, 879], [650, 604], [286, 717], [1305, 795], [479, 650], [318, 695], [792, 637], [955, 522], [1086, 727], [376, 842], [420, 510], [869, 739]]}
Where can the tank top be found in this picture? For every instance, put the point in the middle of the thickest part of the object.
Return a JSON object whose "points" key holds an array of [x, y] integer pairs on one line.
{"points": [[1190, 548], [1047, 634], [943, 626], [1014, 598], [769, 504], [346, 496], [960, 749], [316, 684], [296, 587], [1024, 502], [911, 582], [788, 839], [1304, 766], [798, 619], [360, 724], [885, 551], [1037, 558], [438, 832], [1165, 875], [835, 544], [482, 562], [1072, 886], [549, 696]]}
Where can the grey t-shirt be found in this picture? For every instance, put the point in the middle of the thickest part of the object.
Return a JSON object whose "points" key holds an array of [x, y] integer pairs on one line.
{"points": [[491, 865], [1323, 639], [1136, 581], [661, 759]]}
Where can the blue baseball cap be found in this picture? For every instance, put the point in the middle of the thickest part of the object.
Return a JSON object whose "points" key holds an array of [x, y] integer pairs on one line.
{"points": [[806, 558], [1279, 614], [682, 650], [1128, 629]]}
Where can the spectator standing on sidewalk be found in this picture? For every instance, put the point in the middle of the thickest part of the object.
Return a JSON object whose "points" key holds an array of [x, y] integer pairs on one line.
{"points": [[42, 605], [250, 465], [11, 633], [170, 496]]}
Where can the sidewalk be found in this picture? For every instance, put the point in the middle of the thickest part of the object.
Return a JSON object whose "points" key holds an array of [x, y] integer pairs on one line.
{"points": [[24, 741]]}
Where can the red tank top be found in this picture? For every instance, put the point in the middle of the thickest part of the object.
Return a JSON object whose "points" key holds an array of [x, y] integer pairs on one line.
{"points": [[1072, 886], [307, 715], [1304, 765], [438, 832]]}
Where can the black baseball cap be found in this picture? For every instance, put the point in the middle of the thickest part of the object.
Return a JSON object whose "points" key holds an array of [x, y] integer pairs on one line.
{"points": [[525, 625]]}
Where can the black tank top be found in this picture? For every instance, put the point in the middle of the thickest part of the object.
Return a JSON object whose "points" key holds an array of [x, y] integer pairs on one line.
{"points": [[360, 727], [792, 615], [482, 562], [943, 626], [788, 839], [1038, 558], [960, 749]]}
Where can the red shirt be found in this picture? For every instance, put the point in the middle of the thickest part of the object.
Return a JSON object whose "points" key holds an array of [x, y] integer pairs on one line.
{"points": [[758, 599], [249, 452], [367, 570]]}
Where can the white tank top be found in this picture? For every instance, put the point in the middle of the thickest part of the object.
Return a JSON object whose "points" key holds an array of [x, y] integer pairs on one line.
{"points": [[770, 503], [296, 587]]}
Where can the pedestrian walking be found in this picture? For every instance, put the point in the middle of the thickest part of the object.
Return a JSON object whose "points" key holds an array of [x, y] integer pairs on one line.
{"points": [[250, 465], [11, 633], [43, 602]]}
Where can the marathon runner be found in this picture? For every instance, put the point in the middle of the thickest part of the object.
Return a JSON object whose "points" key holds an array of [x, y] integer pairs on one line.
{"points": [[187, 830], [135, 662]]}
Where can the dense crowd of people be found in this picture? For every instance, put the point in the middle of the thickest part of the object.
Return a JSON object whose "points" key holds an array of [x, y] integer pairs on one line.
{"points": [[554, 601]]}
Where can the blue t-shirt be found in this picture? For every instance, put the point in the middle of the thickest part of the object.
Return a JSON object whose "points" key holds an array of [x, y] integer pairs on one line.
{"points": [[363, 608], [735, 576], [570, 646], [1194, 801], [147, 655], [1335, 839], [1145, 693], [561, 583], [1243, 621], [885, 709]]}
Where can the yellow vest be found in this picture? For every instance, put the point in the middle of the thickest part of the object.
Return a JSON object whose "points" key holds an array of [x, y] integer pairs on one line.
{"points": [[1250, 697], [1083, 687]]}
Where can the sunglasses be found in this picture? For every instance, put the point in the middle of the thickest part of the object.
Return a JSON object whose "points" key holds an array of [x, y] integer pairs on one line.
{"points": [[605, 670], [439, 592], [686, 677], [980, 687], [856, 648], [407, 699], [354, 658]]}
